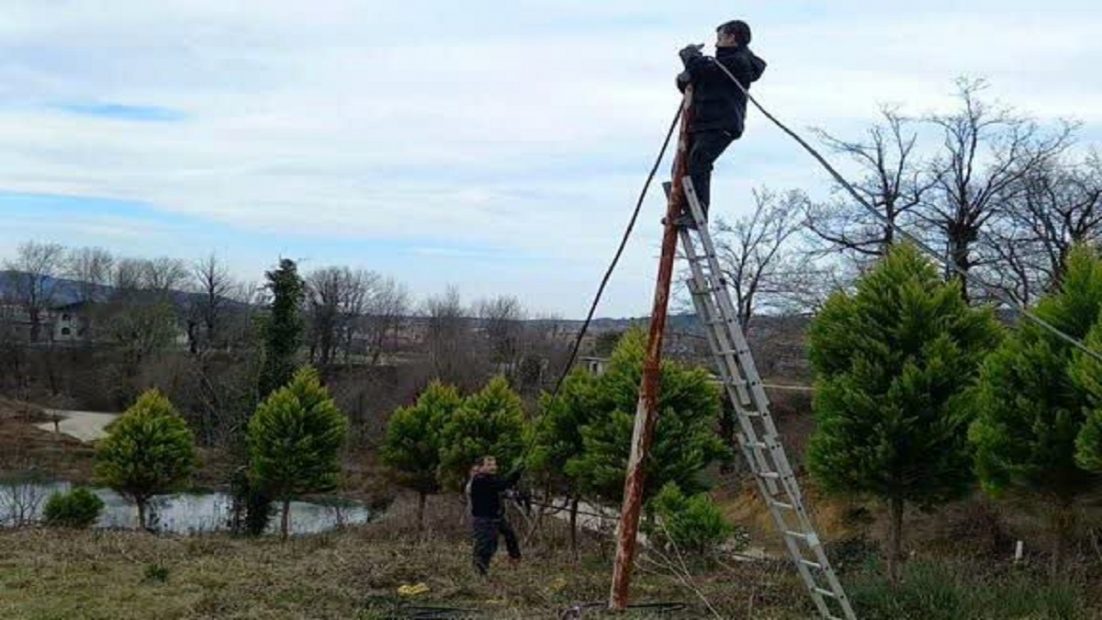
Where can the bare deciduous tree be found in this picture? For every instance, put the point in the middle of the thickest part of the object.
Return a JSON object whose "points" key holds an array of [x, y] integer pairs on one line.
{"points": [[336, 298], [451, 349], [215, 287], [164, 275], [91, 268], [758, 255], [127, 276], [387, 307], [32, 281], [891, 180], [986, 152], [501, 320], [1054, 207]]}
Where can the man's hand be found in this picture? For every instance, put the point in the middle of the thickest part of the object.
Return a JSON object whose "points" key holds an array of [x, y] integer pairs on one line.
{"points": [[690, 51], [683, 80]]}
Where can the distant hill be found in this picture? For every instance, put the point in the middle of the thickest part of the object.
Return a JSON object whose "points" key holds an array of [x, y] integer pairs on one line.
{"points": [[66, 291]]}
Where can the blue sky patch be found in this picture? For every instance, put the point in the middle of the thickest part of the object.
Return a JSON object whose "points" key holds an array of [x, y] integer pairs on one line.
{"points": [[122, 112]]}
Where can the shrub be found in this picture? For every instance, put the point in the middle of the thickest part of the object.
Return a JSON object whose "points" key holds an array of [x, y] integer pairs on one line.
{"points": [[413, 441], [149, 450], [685, 438], [489, 422], [692, 523], [78, 508], [295, 440], [156, 573], [253, 507]]}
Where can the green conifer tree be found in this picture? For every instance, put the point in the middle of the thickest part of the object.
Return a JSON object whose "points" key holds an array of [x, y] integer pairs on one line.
{"points": [[295, 439], [556, 438], [490, 422], [685, 439], [282, 328], [1037, 403], [893, 364], [413, 441], [147, 451]]}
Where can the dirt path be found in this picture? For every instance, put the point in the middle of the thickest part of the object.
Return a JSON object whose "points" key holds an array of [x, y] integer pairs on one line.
{"points": [[84, 425]]}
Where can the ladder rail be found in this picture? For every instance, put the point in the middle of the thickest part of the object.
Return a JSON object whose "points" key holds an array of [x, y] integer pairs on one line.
{"points": [[763, 450], [718, 341]]}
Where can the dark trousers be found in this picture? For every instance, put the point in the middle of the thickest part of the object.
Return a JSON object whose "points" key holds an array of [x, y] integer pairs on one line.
{"points": [[485, 533], [705, 149]]}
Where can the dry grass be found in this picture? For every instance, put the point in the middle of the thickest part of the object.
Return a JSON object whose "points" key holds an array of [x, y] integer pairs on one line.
{"points": [[22, 445], [356, 573]]}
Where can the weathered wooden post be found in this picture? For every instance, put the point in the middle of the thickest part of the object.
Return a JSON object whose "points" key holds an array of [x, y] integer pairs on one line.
{"points": [[646, 412]]}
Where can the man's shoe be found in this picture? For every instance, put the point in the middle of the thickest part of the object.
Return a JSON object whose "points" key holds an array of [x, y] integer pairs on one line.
{"points": [[685, 221]]}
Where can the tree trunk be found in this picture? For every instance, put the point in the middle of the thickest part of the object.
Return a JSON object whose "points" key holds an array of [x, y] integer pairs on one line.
{"points": [[574, 528], [1062, 522], [421, 513], [895, 541], [285, 519], [141, 513]]}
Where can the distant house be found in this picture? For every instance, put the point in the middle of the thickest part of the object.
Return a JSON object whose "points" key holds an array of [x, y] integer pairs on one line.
{"points": [[70, 322], [594, 365]]}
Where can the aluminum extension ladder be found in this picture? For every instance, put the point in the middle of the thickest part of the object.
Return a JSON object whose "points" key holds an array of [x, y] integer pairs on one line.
{"points": [[756, 434]]}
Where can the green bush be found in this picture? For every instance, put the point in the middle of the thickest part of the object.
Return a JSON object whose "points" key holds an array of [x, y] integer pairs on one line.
{"points": [[489, 422], [295, 439], [148, 451], [692, 523], [156, 573], [78, 508]]}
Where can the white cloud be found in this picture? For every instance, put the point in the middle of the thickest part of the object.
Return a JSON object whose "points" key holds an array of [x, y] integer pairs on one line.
{"points": [[470, 122]]}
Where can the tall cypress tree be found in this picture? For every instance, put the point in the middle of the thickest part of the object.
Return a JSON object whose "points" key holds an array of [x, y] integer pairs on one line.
{"points": [[893, 364], [1038, 397], [283, 328]]}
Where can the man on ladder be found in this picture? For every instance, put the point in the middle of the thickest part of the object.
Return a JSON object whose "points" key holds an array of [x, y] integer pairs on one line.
{"points": [[719, 106]]}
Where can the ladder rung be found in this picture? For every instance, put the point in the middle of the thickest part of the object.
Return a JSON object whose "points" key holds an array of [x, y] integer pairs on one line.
{"points": [[741, 382], [811, 539], [736, 381], [696, 258]]}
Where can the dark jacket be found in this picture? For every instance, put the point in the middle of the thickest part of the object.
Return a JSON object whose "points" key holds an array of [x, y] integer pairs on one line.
{"points": [[486, 490], [718, 104]]}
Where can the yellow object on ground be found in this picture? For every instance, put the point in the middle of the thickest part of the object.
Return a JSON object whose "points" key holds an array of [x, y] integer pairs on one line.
{"points": [[412, 590]]}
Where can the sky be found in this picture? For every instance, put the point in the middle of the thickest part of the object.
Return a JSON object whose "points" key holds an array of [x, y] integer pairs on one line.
{"points": [[495, 146]]}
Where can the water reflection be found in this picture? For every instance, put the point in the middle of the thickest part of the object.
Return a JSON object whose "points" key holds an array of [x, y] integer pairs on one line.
{"points": [[181, 513]]}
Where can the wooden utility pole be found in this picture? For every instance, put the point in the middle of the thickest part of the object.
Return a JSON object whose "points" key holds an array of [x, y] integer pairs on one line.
{"points": [[646, 412]]}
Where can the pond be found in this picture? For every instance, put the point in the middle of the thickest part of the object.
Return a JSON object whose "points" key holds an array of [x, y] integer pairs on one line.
{"points": [[180, 513]]}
